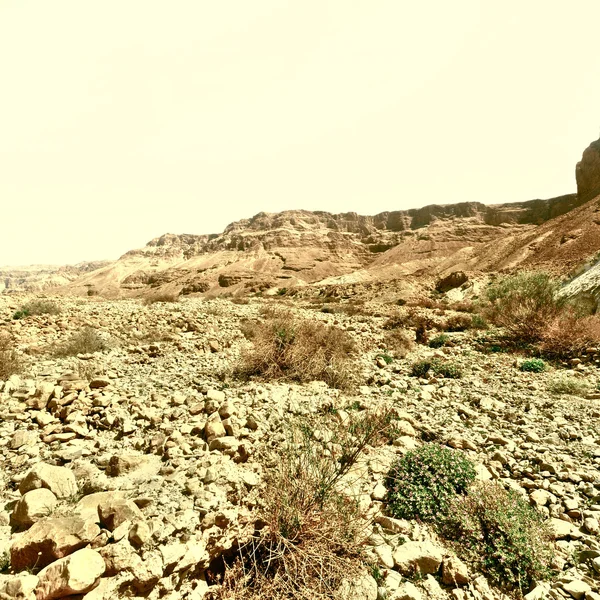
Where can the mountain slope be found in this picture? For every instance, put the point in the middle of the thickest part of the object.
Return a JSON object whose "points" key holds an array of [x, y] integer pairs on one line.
{"points": [[298, 248]]}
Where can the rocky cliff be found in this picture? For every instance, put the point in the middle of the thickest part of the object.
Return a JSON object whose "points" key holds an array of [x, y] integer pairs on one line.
{"points": [[587, 172], [37, 278], [299, 247]]}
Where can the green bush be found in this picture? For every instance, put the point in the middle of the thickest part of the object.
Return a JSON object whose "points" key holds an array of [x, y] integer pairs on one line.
{"points": [[420, 368], [478, 322], [439, 340], [439, 367], [424, 481], [533, 365], [387, 359], [504, 537]]}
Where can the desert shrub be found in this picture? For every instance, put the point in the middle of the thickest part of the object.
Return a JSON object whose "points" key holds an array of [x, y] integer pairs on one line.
{"points": [[439, 340], [398, 342], [524, 303], [161, 296], [37, 307], [464, 306], [568, 385], [458, 323], [504, 537], [286, 347], [478, 322], [446, 368], [422, 483], [86, 341], [420, 368], [387, 359], [9, 361], [533, 365], [568, 334], [310, 537]]}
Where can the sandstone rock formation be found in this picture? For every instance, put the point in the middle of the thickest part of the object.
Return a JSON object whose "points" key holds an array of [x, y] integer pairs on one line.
{"points": [[587, 172], [299, 248]]}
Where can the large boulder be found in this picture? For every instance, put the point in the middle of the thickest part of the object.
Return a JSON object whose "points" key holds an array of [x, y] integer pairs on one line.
{"points": [[419, 558], [59, 480], [74, 574], [50, 539], [454, 280], [33, 506]]}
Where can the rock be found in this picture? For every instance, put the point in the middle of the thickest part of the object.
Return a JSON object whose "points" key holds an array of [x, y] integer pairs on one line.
{"points": [[43, 393], [99, 382], [587, 172], [455, 572], [114, 513], [417, 558], [18, 587], [22, 438], [88, 507], [33, 506], [50, 539], [407, 591], [74, 574], [59, 480], [576, 589], [591, 525], [362, 588], [561, 529], [394, 525], [454, 280]]}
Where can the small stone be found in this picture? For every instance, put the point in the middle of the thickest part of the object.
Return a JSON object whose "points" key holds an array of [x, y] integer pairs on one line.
{"points": [[99, 382], [591, 525]]}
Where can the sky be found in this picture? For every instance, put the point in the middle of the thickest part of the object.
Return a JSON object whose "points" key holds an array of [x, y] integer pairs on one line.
{"points": [[122, 120]]}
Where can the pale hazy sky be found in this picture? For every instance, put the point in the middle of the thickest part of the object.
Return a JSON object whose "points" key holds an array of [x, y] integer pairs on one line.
{"points": [[121, 120]]}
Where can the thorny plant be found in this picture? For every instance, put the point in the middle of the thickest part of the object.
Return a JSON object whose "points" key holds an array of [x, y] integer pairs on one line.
{"points": [[310, 528]]}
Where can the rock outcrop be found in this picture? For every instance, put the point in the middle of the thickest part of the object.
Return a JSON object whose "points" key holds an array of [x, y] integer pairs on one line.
{"points": [[587, 172], [298, 248]]}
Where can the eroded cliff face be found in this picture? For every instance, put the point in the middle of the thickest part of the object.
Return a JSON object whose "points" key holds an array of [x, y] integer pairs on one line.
{"points": [[299, 247], [587, 172], [38, 278]]}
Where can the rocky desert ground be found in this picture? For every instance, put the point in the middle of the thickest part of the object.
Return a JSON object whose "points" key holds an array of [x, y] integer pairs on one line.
{"points": [[311, 405], [132, 471]]}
